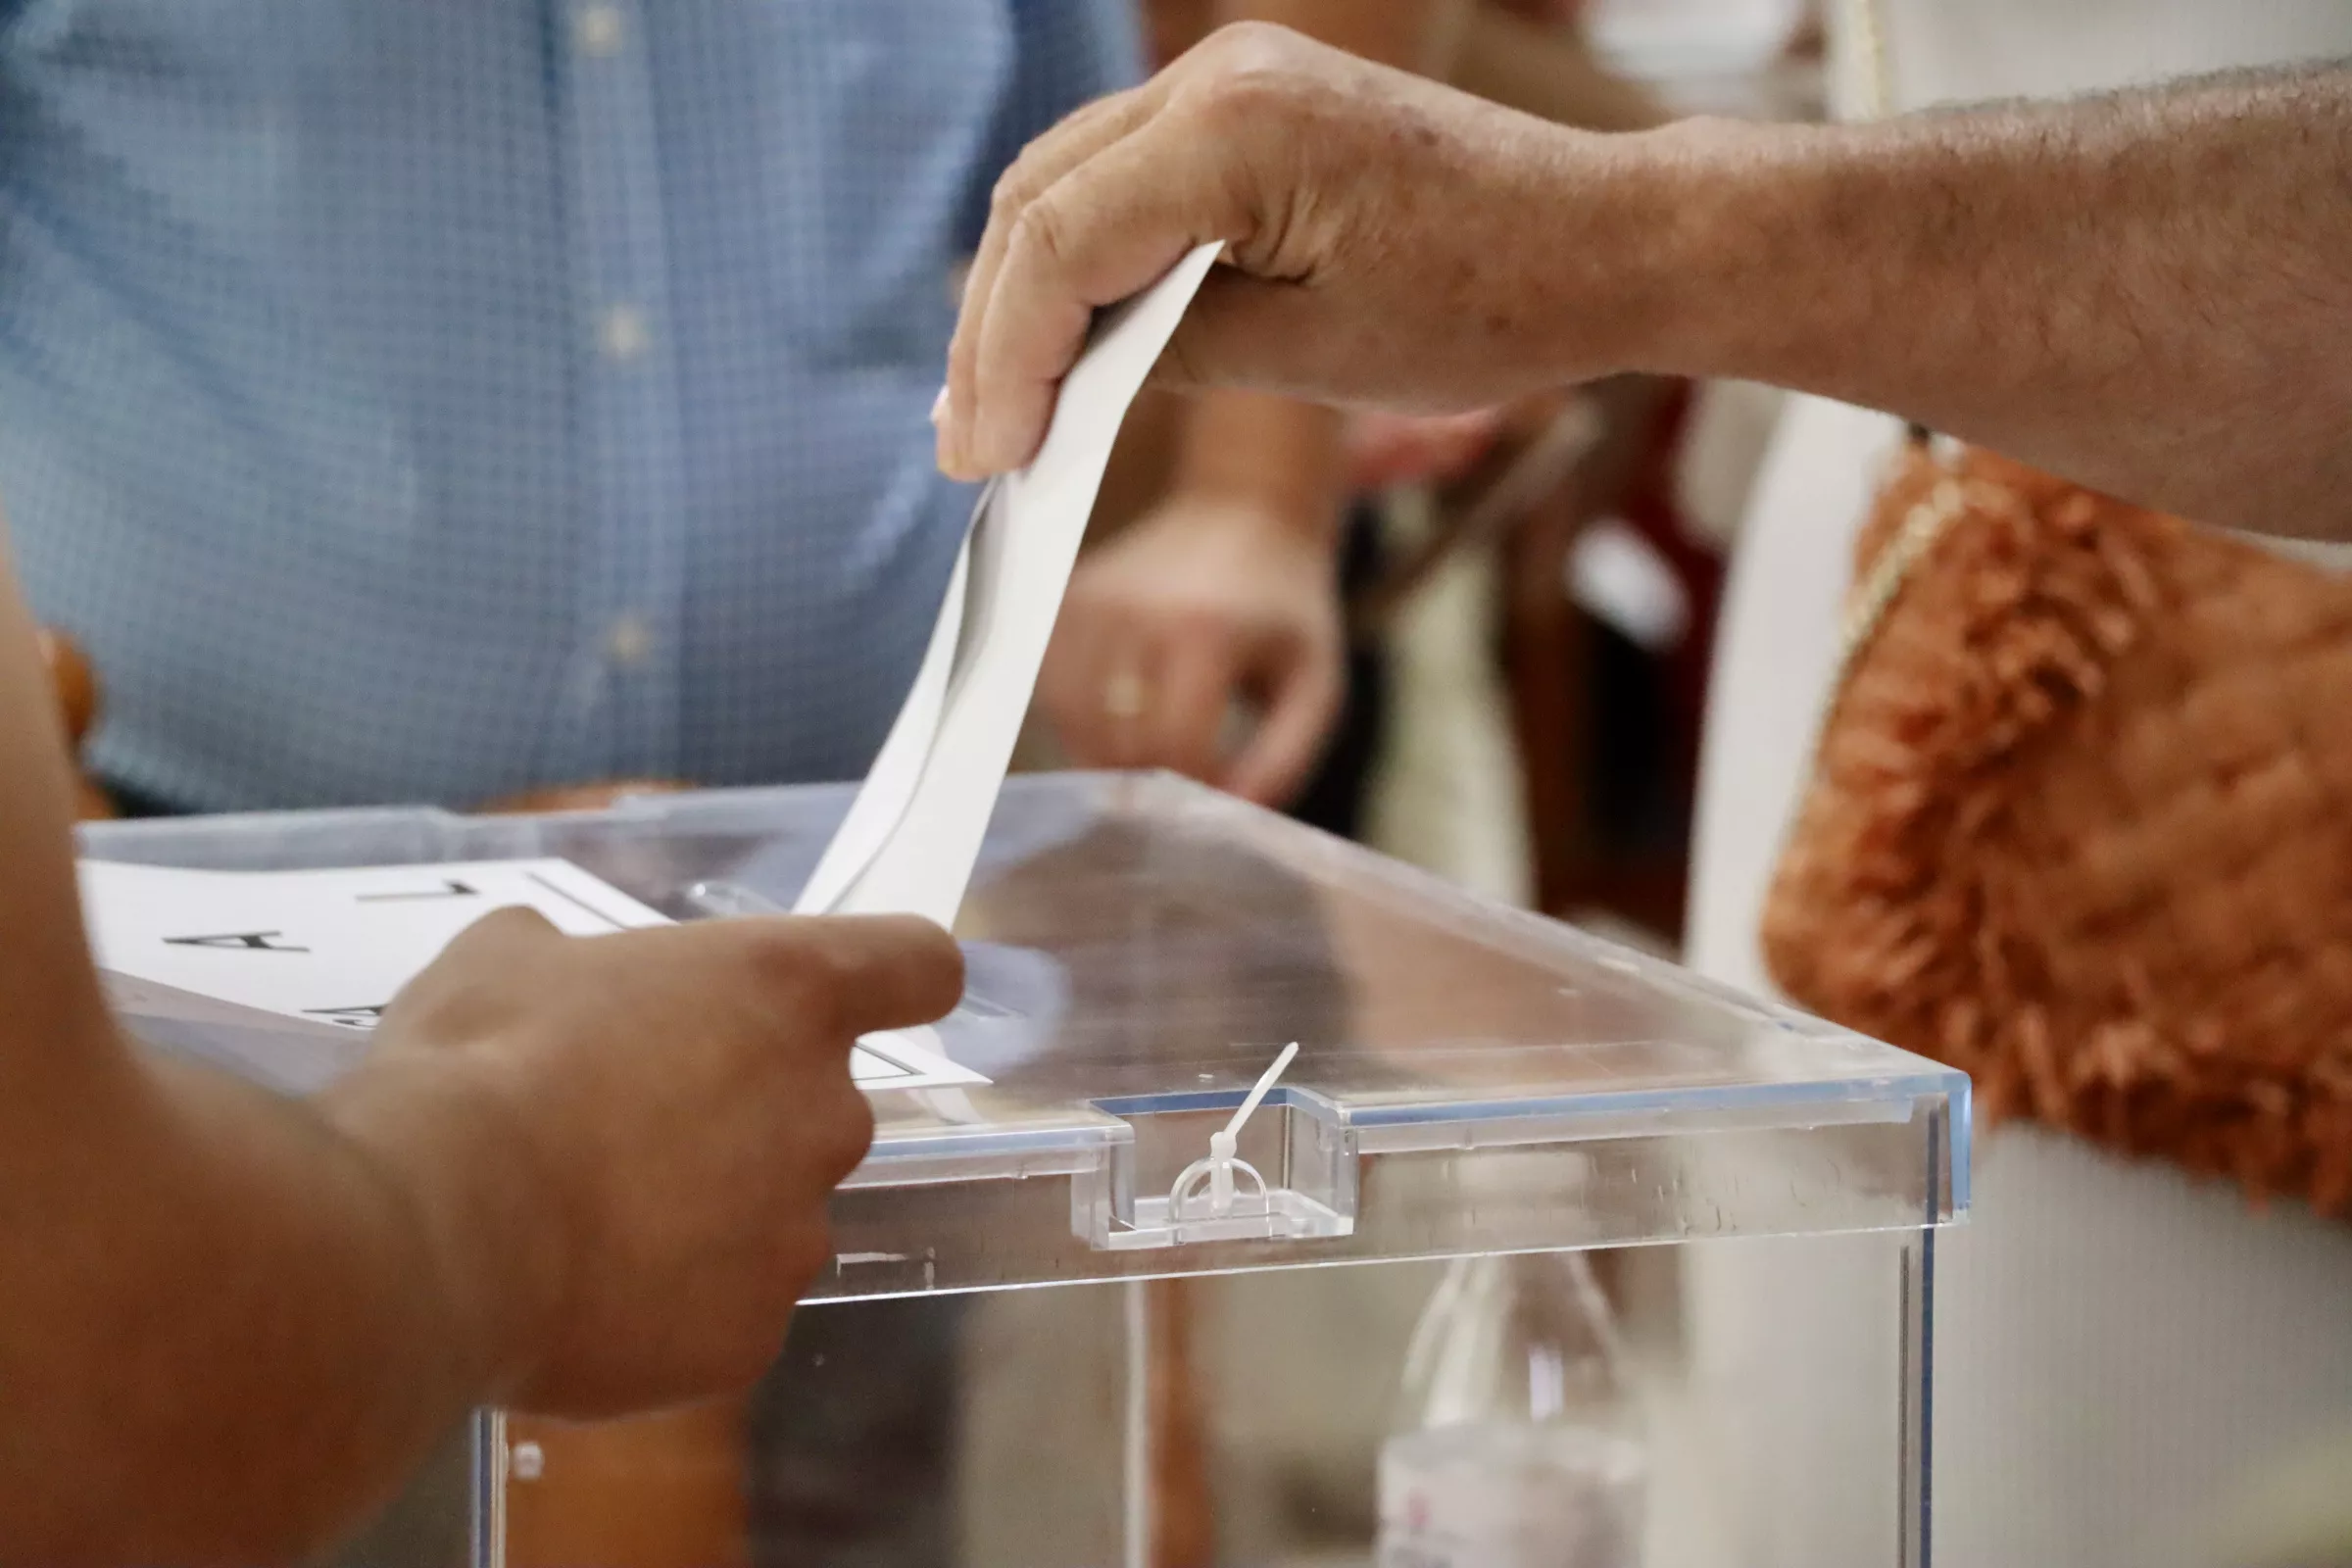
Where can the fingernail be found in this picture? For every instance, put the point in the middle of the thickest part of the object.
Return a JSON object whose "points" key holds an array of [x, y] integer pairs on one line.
{"points": [[939, 407], [953, 461]]}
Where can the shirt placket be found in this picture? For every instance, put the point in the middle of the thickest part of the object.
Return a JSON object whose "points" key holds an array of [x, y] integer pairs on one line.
{"points": [[627, 686]]}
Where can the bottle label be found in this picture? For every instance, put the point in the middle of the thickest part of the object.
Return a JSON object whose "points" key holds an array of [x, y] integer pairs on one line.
{"points": [[1484, 1498]]}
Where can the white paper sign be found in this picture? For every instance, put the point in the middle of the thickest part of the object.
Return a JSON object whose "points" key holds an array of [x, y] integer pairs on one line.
{"points": [[329, 949], [913, 834]]}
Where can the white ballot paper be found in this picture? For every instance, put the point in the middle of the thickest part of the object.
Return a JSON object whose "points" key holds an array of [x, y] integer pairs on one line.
{"points": [[329, 949], [913, 835]]}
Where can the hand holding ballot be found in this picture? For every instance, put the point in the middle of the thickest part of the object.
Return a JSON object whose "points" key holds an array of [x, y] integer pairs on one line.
{"points": [[574, 1175], [2065, 283], [666, 1221], [1379, 229]]}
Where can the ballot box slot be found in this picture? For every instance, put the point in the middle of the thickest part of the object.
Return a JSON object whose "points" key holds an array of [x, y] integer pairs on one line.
{"points": [[1267, 1164]]}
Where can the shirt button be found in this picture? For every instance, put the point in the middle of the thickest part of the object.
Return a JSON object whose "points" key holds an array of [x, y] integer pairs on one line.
{"points": [[628, 641], [598, 30], [623, 334]]}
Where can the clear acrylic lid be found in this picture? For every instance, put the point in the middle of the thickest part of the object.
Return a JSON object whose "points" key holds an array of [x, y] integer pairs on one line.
{"points": [[1469, 1078]]}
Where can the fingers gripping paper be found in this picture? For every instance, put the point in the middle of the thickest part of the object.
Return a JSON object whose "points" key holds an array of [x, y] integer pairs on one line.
{"points": [[913, 835], [280, 963]]}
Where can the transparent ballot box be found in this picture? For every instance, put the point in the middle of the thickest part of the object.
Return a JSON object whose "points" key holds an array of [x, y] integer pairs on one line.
{"points": [[1470, 1082]]}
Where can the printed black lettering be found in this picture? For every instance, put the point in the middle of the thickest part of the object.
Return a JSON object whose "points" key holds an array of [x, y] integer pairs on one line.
{"points": [[246, 940], [450, 887], [349, 1017]]}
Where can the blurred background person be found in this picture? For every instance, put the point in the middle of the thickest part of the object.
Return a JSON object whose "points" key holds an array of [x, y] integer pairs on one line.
{"points": [[1161, 659], [1421, 758], [409, 406], [2118, 1348]]}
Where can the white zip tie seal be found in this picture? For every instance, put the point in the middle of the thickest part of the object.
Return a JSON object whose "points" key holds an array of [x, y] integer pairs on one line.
{"points": [[1222, 1163]]}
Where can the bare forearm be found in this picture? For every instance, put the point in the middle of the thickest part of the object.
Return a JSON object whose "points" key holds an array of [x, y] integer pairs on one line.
{"points": [[227, 1339], [2149, 293], [224, 1325], [2146, 293]]}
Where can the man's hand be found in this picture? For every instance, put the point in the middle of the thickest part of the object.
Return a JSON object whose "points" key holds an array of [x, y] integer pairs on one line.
{"points": [[1203, 605], [2143, 292], [1391, 241], [673, 1108]]}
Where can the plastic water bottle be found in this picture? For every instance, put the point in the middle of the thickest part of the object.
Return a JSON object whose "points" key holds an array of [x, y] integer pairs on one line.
{"points": [[1517, 1442]]}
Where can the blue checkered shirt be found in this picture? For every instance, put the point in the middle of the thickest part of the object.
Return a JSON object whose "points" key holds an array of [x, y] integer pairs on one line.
{"points": [[426, 399]]}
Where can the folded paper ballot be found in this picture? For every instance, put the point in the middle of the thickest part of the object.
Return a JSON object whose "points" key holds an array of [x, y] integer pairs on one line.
{"points": [[911, 836]]}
